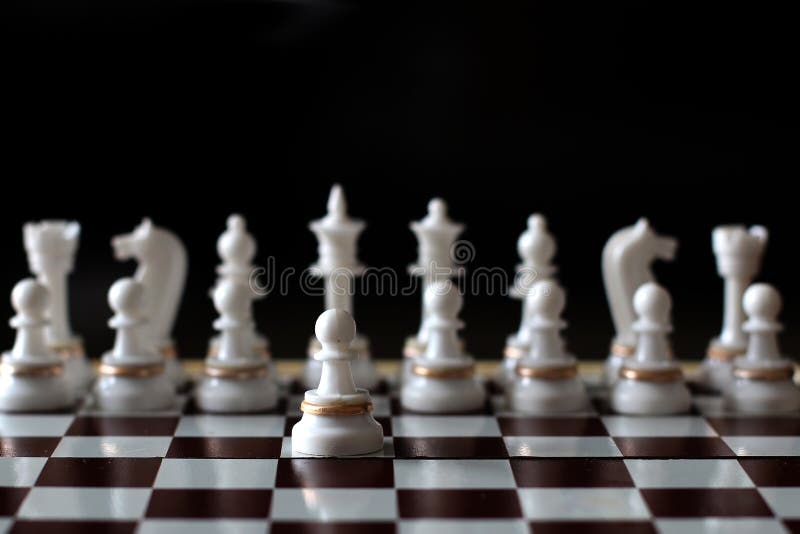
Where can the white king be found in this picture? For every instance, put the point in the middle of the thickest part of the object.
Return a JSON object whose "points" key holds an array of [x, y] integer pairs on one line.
{"points": [[51, 247], [738, 251]]}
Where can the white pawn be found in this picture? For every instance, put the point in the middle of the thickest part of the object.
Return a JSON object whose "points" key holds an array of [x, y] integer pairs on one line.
{"points": [[546, 379], [442, 379], [237, 248], [651, 384], [31, 374], [336, 415], [536, 247], [237, 378], [131, 377], [762, 378]]}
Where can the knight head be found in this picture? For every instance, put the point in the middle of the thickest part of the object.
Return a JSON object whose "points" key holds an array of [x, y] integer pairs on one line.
{"points": [[135, 244], [654, 245]]}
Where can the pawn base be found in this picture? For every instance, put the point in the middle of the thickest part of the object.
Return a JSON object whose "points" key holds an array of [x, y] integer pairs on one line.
{"points": [[337, 435], [79, 373], [442, 395], [715, 374], [542, 395], [226, 395], [642, 397], [125, 393], [176, 373], [505, 374], [35, 393], [762, 396]]}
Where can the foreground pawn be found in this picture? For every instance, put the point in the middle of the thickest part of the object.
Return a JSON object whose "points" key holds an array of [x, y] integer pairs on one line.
{"points": [[336, 416], [738, 251], [237, 378], [652, 383], [442, 379], [546, 378], [132, 377], [762, 378], [32, 377]]}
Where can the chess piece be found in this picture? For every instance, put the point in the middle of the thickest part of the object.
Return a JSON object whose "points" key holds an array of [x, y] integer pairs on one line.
{"points": [[536, 247], [132, 376], [546, 378], [236, 378], [436, 235], [651, 383], [442, 379], [762, 378], [162, 272], [626, 266], [51, 246], [738, 252], [237, 248], [32, 377], [336, 415], [338, 265]]}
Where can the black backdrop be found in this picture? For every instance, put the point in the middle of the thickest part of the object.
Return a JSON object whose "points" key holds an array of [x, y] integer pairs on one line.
{"points": [[186, 111]]}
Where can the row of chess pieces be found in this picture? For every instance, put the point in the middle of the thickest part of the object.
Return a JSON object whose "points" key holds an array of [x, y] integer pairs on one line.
{"points": [[538, 376]]}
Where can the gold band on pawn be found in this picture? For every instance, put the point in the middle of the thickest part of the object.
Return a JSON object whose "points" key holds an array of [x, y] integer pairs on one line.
{"points": [[764, 373], [9, 369], [618, 349], [671, 374], [335, 409], [236, 373], [137, 371], [452, 372], [549, 373], [715, 352]]}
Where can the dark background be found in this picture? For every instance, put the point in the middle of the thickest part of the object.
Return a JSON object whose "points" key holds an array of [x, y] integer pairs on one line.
{"points": [[593, 114]]}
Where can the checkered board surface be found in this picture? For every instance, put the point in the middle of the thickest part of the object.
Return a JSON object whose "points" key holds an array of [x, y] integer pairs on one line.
{"points": [[493, 472]]}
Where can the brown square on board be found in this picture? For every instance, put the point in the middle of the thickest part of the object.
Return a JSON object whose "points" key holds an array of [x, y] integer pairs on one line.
{"points": [[453, 503], [28, 446], [773, 471], [231, 503], [10, 499], [122, 426], [451, 447], [673, 447], [706, 502], [332, 528], [756, 426], [335, 473], [592, 527], [570, 473], [552, 426], [212, 447], [94, 472], [73, 527], [792, 525]]}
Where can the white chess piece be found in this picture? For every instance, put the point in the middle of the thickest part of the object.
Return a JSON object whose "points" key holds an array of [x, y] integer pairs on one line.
{"points": [[546, 378], [337, 235], [237, 248], [762, 378], [162, 272], [237, 378], [132, 376], [31, 374], [336, 415], [442, 379], [626, 266], [536, 247], [738, 252], [651, 383], [51, 246]]}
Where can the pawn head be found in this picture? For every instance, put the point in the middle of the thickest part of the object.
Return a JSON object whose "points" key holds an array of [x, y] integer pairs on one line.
{"points": [[126, 297], [30, 298], [547, 299], [442, 299], [335, 327], [652, 303], [762, 301], [232, 299]]}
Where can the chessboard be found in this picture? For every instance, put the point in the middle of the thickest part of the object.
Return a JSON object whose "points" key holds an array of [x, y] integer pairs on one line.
{"points": [[493, 471]]}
